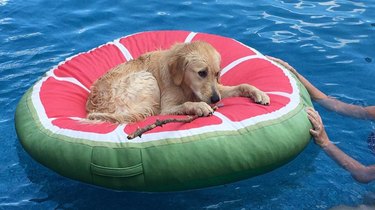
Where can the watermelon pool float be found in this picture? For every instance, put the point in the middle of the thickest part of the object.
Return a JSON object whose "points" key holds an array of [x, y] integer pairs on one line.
{"points": [[241, 139]]}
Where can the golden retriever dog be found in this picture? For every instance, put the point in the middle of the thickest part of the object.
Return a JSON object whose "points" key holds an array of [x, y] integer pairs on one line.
{"points": [[181, 80]]}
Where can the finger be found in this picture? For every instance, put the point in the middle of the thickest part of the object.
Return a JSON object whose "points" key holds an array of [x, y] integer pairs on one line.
{"points": [[272, 58], [309, 111], [317, 117], [312, 119], [315, 135], [283, 63], [277, 60], [314, 122], [313, 132], [311, 114], [317, 124], [314, 114]]}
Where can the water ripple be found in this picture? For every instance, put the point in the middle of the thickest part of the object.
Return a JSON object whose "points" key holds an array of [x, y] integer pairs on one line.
{"points": [[25, 52], [3, 2], [305, 26], [5, 21], [22, 36]]}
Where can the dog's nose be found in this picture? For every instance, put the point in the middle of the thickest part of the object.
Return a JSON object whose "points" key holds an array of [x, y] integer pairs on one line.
{"points": [[215, 98]]}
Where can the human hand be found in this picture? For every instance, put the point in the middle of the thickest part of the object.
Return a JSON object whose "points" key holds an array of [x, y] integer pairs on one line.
{"points": [[283, 63], [318, 131]]}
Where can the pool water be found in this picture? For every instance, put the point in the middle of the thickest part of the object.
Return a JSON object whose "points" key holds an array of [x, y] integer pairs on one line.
{"points": [[331, 42]]}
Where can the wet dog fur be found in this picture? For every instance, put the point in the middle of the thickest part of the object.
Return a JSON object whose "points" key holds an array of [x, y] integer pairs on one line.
{"points": [[181, 80]]}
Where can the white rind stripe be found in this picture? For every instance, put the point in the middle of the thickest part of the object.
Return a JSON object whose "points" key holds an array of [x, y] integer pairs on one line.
{"points": [[123, 50], [69, 79], [252, 49], [287, 95], [237, 62], [190, 37], [51, 73]]}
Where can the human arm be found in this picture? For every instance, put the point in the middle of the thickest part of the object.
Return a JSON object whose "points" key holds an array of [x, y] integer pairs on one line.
{"points": [[349, 110], [359, 172], [328, 102]]}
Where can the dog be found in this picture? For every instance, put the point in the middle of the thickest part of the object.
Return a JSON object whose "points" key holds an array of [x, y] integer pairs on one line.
{"points": [[182, 80]]}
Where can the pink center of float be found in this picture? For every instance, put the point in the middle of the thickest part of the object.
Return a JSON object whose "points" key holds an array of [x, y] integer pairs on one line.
{"points": [[60, 97]]}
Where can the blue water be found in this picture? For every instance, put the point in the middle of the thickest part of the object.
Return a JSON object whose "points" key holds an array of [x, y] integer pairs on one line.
{"points": [[331, 42]]}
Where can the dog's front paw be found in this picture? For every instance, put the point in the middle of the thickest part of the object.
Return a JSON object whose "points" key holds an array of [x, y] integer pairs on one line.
{"points": [[198, 108], [257, 95], [261, 98]]}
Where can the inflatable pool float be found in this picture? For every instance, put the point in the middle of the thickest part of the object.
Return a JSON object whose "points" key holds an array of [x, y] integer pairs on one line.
{"points": [[241, 139]]}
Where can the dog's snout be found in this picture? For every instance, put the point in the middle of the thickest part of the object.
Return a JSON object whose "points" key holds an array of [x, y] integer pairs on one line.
{"points": [[215, 98]]}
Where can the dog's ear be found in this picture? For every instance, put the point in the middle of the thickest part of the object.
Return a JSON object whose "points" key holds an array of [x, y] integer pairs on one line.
{"points": [[177, 64]]}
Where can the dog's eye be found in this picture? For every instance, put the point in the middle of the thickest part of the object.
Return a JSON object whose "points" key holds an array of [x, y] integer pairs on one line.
{"points": [[203, 73]]}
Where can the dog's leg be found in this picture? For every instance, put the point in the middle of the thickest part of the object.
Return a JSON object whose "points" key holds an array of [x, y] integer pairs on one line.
{"points": [[189, 108], [245, 90], [171, 104]]}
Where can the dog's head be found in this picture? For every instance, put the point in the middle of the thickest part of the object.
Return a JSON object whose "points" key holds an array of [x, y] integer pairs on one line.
{"points": [[196, 68]]}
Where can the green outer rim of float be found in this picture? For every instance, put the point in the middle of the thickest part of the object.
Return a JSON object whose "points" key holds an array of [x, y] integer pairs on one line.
{"points": [[168, 165]]}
